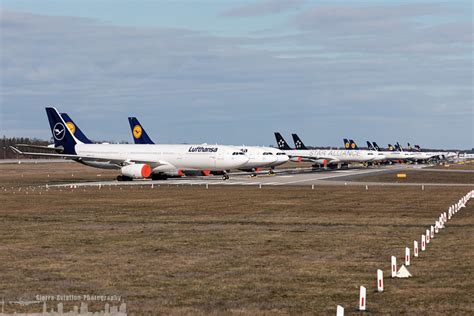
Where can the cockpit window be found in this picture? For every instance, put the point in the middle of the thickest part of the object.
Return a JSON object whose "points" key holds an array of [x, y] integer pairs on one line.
{"points": [[280, 154], [236, 153], [267, 153]]}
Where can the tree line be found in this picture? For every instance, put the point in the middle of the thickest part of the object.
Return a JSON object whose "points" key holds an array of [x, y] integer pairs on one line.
{"points": [[7, 153]]}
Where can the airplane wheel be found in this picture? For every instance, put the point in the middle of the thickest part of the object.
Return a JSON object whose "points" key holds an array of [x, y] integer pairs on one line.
{"points": [[225, 177], [158, 177]]}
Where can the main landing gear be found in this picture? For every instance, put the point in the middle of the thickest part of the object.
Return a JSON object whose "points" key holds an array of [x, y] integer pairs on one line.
{"points": [[225, 176], [123, 178]]}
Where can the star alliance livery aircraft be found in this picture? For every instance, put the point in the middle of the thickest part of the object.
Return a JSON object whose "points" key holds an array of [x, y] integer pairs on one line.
{"points": [[138, 161], [322, 157]]}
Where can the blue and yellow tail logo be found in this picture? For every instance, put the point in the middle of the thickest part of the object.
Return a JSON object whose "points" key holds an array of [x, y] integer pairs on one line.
{"points": [[353, 146], [137, 131], [347, 145], [71, 127]]}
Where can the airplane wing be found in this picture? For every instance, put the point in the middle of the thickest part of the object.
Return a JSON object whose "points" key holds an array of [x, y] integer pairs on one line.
{"points": [[318, 159], [50, 147], [118, 162], [329, 159]]}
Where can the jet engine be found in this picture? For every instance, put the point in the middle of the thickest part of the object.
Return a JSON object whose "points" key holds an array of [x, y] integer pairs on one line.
{"points": [[136, 171]]}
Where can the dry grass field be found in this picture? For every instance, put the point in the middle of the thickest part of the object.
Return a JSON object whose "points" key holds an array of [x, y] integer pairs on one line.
{"points": [[419, 176], [231, 250], [466, 165]]}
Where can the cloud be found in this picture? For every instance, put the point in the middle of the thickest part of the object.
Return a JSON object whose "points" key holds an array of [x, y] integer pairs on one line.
{"points": [[263, 8], [394, 29], [190, 86], [365, 18]]}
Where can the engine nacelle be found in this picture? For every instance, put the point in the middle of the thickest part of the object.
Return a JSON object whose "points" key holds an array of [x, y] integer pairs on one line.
{"points": [[136, 171], [173, 173], [322, 162], [196, 173]]}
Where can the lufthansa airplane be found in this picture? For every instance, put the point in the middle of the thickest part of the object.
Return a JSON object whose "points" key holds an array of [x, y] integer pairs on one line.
{"points": [[322, 157], [351, 145], [392, 154], [138, 161], [259, 157], [428, 156]]}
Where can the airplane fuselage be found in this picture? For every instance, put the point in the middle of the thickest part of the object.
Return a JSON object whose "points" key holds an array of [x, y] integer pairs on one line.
{"points": [[332, 155], [165, 157]]}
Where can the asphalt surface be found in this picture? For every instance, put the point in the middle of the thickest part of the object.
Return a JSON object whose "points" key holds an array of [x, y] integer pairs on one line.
{"points": [[292, 177]]}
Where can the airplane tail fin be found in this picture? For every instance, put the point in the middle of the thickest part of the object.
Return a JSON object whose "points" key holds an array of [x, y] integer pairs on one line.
{"points": [[63, 138], [418, 147], [138, 132], [347, 145], [400, 148], [353, 144], [376, 146], [370, 146], [281, 142], [410, 148], [298, 143], [390, 147], [75, 130]]}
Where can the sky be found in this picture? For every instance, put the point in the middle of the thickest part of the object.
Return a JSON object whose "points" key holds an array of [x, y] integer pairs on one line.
{"points": [[233, 72]]}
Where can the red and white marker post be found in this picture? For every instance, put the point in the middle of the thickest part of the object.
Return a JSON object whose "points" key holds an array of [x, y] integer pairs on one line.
{"points": [[423, 243], [362, 298], [393, 266], [379, 280], [431, 232], [415, 248], [407, 256], [427, 236], [340, 310]]}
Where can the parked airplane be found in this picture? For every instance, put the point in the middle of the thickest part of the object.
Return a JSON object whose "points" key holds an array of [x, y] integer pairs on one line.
{"points": [[259, 157], [350, 144], [322, 157], [139, 161], [391, 154], [379, 157], [75, 130], [428, 156]]}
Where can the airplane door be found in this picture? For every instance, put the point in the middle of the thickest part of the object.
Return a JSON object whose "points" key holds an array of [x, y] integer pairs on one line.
{"points": [[218, 158]]}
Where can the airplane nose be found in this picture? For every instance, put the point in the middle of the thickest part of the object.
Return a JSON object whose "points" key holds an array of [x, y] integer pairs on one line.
{"points": [[242, 159], [283, 158]]}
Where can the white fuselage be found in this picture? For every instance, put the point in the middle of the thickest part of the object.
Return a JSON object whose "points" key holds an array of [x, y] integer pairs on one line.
{"points": [[165, 157], [397, 155], [379, 156], [262, 157], [332, 155]]}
